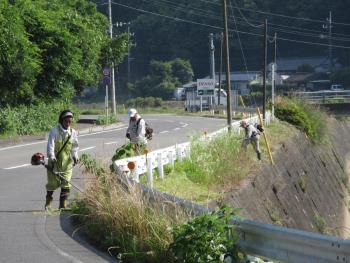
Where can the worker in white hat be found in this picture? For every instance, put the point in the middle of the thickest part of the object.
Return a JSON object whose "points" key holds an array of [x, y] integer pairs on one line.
{"points": [[252, 136], [136, 131]]}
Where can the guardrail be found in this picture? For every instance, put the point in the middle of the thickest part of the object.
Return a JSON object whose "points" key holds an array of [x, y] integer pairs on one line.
{"points": [[291, 245], [133, 167], [325, 96]]}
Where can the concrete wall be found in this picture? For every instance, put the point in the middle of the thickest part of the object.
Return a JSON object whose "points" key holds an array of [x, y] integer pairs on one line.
{"points": [[306, 180]]}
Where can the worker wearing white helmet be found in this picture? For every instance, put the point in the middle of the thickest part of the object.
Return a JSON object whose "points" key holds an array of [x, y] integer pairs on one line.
{"points": [[136, 131]]}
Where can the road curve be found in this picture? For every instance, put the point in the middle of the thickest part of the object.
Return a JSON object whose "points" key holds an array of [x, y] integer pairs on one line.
{"points": [[26, 233]]}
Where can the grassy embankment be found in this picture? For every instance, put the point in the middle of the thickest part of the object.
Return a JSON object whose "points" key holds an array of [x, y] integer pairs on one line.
{"points": [[220, 164]]}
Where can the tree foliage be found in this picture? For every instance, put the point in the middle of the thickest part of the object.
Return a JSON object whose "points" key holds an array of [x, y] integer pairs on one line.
{"points": [[52, 49], [162, 79]]}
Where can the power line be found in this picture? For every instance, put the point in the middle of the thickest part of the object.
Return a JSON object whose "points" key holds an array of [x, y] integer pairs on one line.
{"points": [[218, 27], [213, 15], [279, 15], [239, 39]]}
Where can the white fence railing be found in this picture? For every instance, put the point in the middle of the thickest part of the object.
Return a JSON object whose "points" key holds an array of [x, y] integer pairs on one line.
{"points": [[157, 159]]}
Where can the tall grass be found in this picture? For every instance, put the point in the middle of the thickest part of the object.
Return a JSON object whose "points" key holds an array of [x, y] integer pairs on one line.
{"points": [[217, 162], [123, 220]]}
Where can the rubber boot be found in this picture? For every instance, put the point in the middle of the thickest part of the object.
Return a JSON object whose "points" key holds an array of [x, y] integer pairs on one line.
{"points": [[63, 198], [259, 155], [48, 200]]}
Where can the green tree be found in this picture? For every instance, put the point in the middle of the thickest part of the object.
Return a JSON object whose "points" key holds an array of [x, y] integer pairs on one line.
{"points": [[163, 78], [305, 68], [182, 70], [56, 49], [20, 61]]}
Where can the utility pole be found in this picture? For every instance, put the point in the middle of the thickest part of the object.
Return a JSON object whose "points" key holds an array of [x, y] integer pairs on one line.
{"points": [[273, 81], [212, 64], [220, 70], [227, 60], [330, 42], [112, 64], [128, 52], [330, 49], [264, 69]]}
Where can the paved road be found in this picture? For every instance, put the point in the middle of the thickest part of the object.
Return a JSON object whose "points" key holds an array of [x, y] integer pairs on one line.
{"points": [[26, 233]]}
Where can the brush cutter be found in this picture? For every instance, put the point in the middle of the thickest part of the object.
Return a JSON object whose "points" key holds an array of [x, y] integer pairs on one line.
{"points": [[39, 159]]}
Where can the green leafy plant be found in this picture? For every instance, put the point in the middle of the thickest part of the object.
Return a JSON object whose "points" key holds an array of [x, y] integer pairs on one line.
{"points": [[123, 151], [206, 238], [303, 116], [320, 224]]}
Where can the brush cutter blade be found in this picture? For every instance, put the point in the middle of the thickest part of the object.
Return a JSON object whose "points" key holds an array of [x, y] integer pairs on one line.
{"points": [[37, 159]]}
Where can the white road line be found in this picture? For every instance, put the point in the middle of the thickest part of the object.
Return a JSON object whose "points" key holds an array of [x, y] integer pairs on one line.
{"points": [[21, 145], [83, 135], [44, 141], [107, 143], [18, 166], [184, 124], [88, 148], [176, 129], [163, 132]]}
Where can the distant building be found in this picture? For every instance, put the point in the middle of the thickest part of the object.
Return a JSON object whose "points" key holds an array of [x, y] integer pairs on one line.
{"points": [[240, 80], [291, 65]]}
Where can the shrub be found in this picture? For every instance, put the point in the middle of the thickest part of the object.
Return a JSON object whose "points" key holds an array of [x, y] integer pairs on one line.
{"points": [[144, 102], [24, 120], [206, 238], [303, 116]]}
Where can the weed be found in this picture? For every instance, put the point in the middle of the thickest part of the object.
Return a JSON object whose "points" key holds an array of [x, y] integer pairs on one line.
{"points": [[320, 223], [345, 179], [206, 238], [302, 183], [276, 217]]}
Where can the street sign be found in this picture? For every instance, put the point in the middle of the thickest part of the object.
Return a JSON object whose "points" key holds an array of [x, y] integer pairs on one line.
{"points": [[106, 72], [205, 87]]}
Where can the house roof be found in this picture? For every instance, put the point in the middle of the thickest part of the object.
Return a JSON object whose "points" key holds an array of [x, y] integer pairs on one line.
{"points": [[292, 64], [241, 76], [300, 77]]}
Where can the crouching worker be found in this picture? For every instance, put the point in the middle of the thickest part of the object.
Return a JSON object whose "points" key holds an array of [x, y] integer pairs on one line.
{"points": [[136, 132], [62, 152], [252, 136]]}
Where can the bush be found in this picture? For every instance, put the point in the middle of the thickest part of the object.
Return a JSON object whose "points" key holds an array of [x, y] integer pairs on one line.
{"points": [[144, 102], [206, 238], [303, 116], [24, 120]]}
